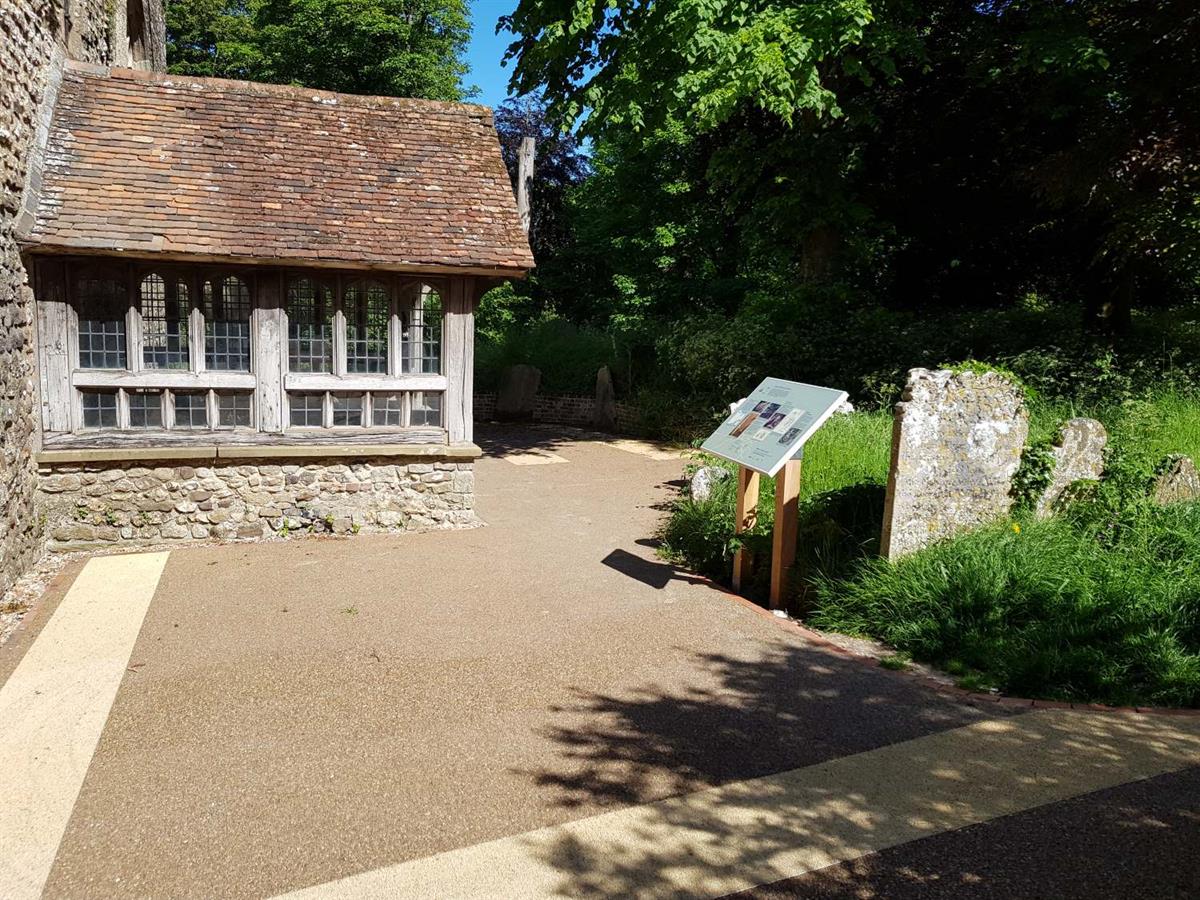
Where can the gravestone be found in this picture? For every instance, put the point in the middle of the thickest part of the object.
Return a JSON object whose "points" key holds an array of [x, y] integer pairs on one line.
{"points": [[604, 413], [1078, 456], [956, 443], [705, 481], [518, 389], [1177, 482]]}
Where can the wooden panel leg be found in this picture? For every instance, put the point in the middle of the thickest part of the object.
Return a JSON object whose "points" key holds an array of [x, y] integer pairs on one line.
{"points": [[744, 518], [787, 524]]}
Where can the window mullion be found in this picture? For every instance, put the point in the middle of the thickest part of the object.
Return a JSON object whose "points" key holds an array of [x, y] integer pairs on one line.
{"points": [[196, 323], [327, 410], [133, 325], [339, 330], [122, 409], [394, 355]]}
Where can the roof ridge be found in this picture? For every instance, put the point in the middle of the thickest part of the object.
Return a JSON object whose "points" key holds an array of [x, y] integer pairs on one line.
{"points": [[259, 88]]}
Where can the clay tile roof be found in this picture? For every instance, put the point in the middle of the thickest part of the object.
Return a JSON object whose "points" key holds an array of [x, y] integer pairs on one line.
{"points": [[149, 163]]}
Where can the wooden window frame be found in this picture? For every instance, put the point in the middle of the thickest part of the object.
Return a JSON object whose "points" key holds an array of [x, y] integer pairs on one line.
{"points": [[269, 390], [402, 291]]}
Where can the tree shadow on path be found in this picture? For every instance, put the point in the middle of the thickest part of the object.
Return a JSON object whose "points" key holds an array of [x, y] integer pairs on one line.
{"points": [[762, 714]]}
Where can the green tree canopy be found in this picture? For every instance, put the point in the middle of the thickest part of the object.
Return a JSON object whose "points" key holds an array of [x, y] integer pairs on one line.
{"points": [[401, 48]]}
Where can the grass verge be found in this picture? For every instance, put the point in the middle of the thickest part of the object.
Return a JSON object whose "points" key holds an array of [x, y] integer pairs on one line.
{"points": [[1101, 604]]}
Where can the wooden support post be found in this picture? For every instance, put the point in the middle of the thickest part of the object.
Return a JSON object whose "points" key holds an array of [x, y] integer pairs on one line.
{"points": [[746, 515], [524, 179], [787, 524]]}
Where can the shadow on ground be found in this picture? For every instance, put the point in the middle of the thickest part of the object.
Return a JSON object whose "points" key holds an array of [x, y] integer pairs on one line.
{"points": [[500, 438], [793, 707]]}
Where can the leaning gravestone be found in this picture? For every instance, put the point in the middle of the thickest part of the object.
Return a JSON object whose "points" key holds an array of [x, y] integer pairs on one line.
{"points": [[1078, 456], [956, 443], [604, 412], [518, 390], [1177, 482]]}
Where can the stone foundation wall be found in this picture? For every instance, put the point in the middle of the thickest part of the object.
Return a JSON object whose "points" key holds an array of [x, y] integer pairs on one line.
{"points": [[111, 504]]}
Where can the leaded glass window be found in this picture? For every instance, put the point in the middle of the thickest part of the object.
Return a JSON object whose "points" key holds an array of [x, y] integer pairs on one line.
{"points": [[387, 409], [99, 409], [426, 409], [233, 410], [227, 324], [421, 330], [145, 409], [367, 307], [347, 410], [191, 410], [310, 326], [102, 305], [307, 410], [164, 306]]}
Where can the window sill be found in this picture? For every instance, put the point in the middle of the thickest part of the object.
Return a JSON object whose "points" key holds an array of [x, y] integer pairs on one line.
{"points": [[322, 381], [423, 443], [163, 378]]}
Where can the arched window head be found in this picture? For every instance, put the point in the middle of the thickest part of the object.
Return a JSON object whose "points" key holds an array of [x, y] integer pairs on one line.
{"points": [[310, 326], [226, 303], [367, 308], [165, 305]]}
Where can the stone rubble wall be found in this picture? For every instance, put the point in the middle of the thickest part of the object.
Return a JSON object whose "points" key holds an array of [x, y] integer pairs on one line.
{"points": [[31, 48], [93, 505], [956, 444], [29, 32]]}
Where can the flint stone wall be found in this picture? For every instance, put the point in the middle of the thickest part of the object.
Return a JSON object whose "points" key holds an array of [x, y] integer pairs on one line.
{"points": [[1078, 456], [956, 444], [33, 43], [107, 504]]}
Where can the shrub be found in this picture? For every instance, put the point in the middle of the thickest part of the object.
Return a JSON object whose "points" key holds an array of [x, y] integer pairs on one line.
{"points": [[568, 356]]}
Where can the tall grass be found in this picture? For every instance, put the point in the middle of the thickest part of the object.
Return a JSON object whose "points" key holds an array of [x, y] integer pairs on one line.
{"points": [[1100, 604], [1048, 609]]}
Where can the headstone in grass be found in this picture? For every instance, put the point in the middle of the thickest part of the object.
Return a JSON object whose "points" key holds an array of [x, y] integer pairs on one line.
{"points": [[956, 444], [518, 390], [705, 481], [1078, 456], [1177, 481]]}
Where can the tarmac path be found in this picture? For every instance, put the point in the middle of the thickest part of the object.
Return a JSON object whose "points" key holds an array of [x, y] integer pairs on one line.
{"points": [[536, 708]]}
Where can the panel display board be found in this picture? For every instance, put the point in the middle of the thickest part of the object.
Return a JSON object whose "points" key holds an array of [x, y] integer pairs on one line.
{"points": [[771, 425]]}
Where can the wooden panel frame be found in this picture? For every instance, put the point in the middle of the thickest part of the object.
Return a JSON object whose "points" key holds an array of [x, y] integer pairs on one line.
{"points": [[268, 381]]}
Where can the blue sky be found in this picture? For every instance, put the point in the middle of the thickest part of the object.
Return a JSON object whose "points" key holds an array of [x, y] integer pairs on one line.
{"points": [[487, 49]]}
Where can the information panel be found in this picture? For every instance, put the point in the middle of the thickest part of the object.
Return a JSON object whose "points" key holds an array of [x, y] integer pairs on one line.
{"points": [[771, 425]]}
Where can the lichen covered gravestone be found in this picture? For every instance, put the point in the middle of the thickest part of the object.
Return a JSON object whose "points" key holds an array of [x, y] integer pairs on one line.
{"points": [[956, 443], [1078, 456], [1177, 482], [705, 481]]}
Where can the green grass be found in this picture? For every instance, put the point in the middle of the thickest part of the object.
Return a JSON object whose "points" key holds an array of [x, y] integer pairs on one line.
{"points": [[842, 481], [1055, 610], [1101, 604]]}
